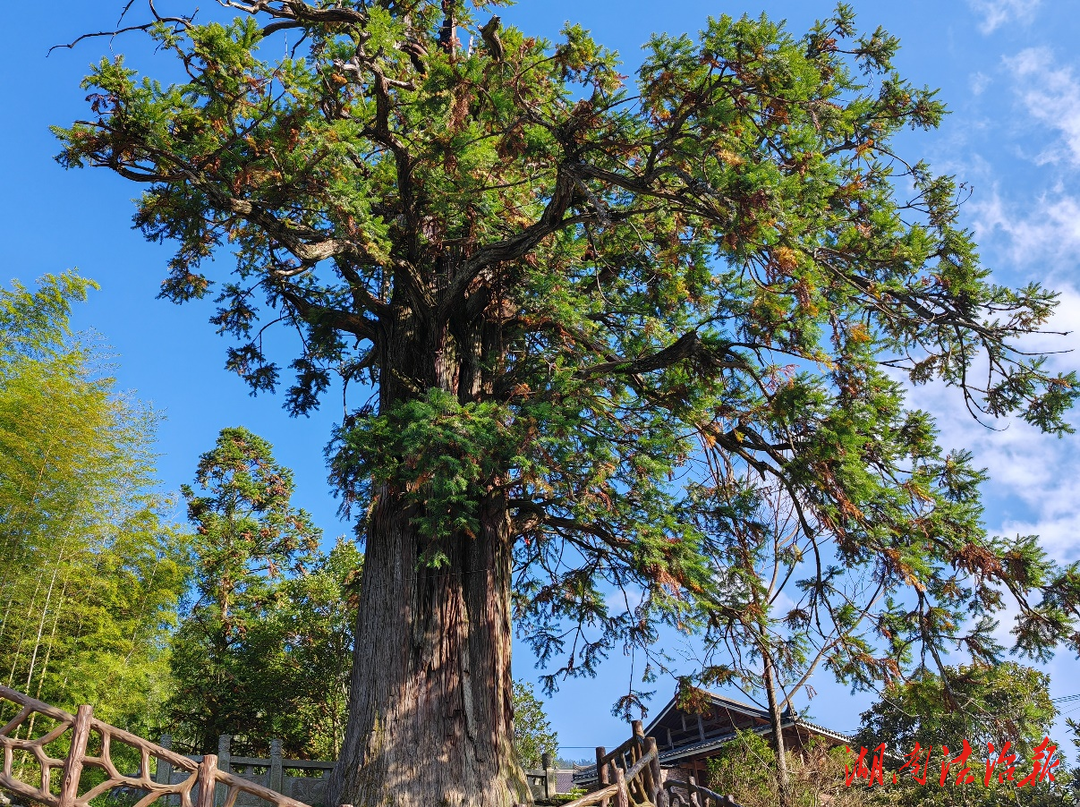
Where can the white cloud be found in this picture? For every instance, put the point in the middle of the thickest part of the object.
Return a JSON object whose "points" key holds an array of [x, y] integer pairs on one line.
{"points": [[1050, 94], [1044, 233], [1032, 227], [1034, 479], [1057, 535], [996, 13], [782, 604], [979, 82]]}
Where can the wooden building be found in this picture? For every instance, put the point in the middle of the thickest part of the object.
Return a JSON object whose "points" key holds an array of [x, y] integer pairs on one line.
{"points": [[688, 735]]}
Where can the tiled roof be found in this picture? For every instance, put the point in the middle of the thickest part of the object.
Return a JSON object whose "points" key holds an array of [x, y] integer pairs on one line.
{"points": [[673, 754], [564, 780], [719, 702], [584, 775]]}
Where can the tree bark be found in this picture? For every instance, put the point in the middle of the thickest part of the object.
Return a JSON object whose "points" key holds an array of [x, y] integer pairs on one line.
{"points": [[430, 719], [431, 711], [783, 780]]}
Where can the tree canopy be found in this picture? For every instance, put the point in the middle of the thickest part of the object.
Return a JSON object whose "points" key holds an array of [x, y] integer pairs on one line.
{"points": [[570, 293], [974, 707]]}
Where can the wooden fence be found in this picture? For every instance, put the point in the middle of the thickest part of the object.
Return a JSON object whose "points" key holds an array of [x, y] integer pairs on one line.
{"points": [[689, 793], [629, 775], [197, 780]]}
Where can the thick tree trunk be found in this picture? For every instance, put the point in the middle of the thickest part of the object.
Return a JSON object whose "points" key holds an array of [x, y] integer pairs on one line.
{"points": [[430, 718], [430, 708]]}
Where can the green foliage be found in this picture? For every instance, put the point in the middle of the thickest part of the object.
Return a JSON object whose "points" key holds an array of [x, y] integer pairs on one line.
{"points": [[981, 705], [249, 531], [533, 736], [746, 768], [264, 652], [315, 627], [91, 569], [573, 794], [442, 452], [746, 765], [35, 324]]}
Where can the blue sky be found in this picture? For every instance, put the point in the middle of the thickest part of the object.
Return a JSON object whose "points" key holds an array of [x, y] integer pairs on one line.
{"points": [[1008, 70]]}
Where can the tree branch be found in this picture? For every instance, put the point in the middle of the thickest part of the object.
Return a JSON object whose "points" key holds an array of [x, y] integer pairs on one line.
{"points": [[294, 13], [689, 346], [184, 21], [516, 246], [347, 321]]}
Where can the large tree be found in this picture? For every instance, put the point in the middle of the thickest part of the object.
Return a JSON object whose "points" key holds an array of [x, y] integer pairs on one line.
{"points": [[232, 659], [557, 282], [264, 650]]}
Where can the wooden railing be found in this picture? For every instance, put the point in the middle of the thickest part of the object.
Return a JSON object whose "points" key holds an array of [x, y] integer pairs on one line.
{"points": [[638, 762], [196, 789], [629, 775], [694, 795]]}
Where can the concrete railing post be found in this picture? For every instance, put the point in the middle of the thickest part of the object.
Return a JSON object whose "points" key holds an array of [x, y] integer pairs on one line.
{"points": [[224, 753], [277, 771], [224, 763], [550, 780], [163, 774]]}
